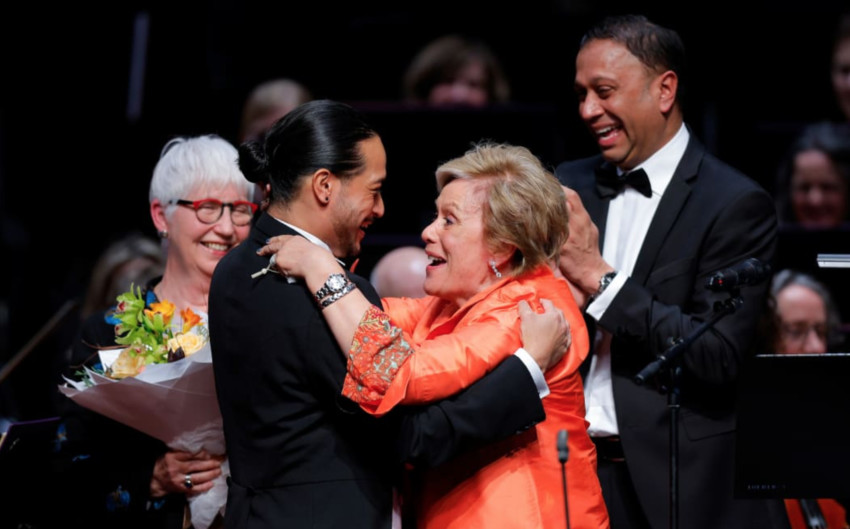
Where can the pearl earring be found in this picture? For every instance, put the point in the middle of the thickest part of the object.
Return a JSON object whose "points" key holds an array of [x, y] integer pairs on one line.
{"points": [[495, 270]]}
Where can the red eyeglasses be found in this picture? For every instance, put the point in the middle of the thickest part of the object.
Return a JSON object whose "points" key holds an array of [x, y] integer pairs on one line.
{"points": [[209, 210]]}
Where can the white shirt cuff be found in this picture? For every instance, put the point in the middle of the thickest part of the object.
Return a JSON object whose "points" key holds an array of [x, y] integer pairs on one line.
{"points": [[534, 370]]}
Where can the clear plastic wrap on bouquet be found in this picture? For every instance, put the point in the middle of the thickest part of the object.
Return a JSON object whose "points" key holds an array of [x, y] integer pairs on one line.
{"points": [[173, 402]]}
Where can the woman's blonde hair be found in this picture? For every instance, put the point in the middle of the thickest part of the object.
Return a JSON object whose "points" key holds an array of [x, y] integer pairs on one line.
{"points": [[524, 204]]}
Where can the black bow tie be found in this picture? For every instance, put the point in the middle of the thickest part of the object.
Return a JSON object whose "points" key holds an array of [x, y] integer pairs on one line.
{"points": [[609, 183]]}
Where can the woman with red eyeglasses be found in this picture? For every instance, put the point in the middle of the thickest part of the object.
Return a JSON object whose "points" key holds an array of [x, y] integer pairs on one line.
{"points": [[109, 474]]}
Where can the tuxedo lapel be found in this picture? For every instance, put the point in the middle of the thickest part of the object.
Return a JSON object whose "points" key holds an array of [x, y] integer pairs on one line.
{"points": [[597, 208], [675, 197]]}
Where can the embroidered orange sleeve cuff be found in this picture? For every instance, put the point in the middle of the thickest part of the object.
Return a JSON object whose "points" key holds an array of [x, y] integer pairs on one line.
{"points": [[377, 352]]}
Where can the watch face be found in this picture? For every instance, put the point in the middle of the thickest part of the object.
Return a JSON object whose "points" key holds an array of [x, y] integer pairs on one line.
{"points": [[336, 282], [605, 280]]}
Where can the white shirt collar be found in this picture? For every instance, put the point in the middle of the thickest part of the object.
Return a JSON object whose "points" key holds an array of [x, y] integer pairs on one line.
{"points": [[312, 238], [662, 164]]}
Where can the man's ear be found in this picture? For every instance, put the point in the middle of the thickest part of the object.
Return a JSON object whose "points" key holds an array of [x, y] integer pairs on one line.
{"points": [[668, 84], [323, 183], [158, 216]]}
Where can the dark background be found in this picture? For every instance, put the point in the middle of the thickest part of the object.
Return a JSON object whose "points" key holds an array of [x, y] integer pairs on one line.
{"points": [[75, 162]]}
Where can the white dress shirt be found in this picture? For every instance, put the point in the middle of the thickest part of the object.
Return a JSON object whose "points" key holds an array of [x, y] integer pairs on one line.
{"points": [[629, 216]]}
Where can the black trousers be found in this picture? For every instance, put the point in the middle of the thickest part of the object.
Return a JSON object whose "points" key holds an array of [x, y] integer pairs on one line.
{"points": [[624, 510]]}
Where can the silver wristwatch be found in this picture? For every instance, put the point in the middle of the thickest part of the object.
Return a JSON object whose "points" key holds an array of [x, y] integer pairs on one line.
{"points": [[604, 281], [334, 297], [334, 284]]}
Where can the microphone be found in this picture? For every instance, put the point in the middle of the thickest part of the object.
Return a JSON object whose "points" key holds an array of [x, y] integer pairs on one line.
{"points": [[563, 455], [750, 272], [563, 451]]}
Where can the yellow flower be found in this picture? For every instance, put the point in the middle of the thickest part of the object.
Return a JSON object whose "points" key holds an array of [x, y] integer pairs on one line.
{"points": [[190, 343], [128, 364], [165, 307], [190, 319]]}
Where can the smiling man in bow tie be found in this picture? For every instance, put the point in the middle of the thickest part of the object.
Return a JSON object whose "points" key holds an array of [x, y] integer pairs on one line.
{"points": [[651, 219]]}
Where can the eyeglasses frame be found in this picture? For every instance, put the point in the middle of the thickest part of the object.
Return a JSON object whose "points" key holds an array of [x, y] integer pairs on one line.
{"points": [[196, 204]]}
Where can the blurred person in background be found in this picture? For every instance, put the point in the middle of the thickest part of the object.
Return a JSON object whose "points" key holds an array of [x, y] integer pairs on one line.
{"points": [[133, 259], [456, 71], [840, 71], [267, 102], [400, 273], [814, 178], [806, 319]]}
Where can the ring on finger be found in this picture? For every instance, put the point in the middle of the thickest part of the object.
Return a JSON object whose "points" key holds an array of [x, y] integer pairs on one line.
{"points": [[187, 481]]}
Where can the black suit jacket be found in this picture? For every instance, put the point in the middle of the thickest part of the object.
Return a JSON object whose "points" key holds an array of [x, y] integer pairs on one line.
{"points": [[709, 218], [301, 455]]}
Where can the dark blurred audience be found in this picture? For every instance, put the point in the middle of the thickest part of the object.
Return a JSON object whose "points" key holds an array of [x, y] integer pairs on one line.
{"points": [[841, 65], [268, 102], [813, 179], [456, 70], [133, 259]]}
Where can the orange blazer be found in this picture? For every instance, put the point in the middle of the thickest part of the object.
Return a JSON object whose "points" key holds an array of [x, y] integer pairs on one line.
{"points": [[516, 483]]}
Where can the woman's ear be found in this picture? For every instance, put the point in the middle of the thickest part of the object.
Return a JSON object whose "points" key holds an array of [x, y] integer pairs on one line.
{"points": [[504, 256], [158, 216]]}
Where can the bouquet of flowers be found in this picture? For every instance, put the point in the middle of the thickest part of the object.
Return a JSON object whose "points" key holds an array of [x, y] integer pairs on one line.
{"points": [[149, 335], [160, 382]]}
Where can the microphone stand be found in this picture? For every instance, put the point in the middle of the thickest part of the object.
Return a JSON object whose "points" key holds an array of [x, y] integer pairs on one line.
{"points": [[563, 455], [671, 358], [812, 514]]}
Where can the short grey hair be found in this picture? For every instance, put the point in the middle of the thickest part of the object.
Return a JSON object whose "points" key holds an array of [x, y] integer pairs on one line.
{"points": [[187, 163]]}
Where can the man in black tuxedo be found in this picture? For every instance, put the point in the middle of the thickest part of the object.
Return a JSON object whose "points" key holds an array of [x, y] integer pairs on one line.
{"points": [[301, 455], [652, 218]]}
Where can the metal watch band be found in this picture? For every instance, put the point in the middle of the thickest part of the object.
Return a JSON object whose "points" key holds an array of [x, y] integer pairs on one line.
{"points": [[333, 284], [345, 290]]}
